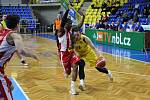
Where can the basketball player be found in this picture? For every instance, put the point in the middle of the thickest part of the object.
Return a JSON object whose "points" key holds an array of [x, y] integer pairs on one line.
{"points": [[3, 26], [86, 50], [81, 63], [10, 41], [67, 54]]}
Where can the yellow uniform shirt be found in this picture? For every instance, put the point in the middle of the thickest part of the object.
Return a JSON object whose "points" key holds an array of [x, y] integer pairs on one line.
{"points": [[85, 51]]}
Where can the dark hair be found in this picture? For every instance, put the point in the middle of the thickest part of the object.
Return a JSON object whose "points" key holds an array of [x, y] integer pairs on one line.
{"points": [[12, 21]]}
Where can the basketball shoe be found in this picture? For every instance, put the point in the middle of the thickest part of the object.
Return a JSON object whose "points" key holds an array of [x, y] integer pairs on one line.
{"points": [[23, 62], [110, 75], [73, 88], [82, 85]]}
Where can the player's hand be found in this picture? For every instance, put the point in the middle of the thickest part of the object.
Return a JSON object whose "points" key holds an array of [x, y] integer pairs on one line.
{"points": [[66, 75], [11, 87]]}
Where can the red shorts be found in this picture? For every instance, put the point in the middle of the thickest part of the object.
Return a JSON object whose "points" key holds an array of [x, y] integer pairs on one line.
{"points": [[68, 58]]}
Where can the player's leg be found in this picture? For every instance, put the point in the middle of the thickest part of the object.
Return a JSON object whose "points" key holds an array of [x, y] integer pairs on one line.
{"points": [[100, 66], [22, 60], [81, 74], [5, 88], [64, 57], [74, 77], [74, 64]]}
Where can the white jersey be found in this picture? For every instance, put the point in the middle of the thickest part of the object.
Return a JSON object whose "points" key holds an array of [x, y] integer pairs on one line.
{"points": [[64, 42], [6, 50]]}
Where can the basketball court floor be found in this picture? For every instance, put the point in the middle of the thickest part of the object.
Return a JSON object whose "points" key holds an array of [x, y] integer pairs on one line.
{"points": [[44, 80]]}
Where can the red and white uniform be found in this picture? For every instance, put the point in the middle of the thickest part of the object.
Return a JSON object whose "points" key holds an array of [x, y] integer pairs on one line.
{"points": [[68, 57], [6, 52]]}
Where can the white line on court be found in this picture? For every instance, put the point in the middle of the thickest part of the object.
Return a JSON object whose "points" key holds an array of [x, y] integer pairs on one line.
{"points": [[119, 72], [20, 88], [21, 66], [126, 57]]}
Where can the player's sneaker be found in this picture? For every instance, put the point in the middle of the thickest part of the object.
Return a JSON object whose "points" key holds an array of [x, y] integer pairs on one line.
{"points": [[82, 85], [110, 75], [23, 63], [73, 89]]}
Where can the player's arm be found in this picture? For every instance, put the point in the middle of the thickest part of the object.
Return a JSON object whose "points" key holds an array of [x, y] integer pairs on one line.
{"points": [[64, 18], [89, 42], [20, 47], [61, 32], [80, 24]]}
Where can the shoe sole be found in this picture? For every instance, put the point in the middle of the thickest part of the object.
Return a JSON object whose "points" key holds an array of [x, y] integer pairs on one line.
{"points": [[74, 93], [81, 88], [111, 80]]}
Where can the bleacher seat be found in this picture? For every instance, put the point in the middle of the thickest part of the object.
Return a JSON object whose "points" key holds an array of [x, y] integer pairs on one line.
{"points": [[23, 12], [140, 4]]}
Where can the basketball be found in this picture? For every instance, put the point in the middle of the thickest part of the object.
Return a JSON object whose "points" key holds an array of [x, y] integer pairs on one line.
{"points": [[101, 62]]}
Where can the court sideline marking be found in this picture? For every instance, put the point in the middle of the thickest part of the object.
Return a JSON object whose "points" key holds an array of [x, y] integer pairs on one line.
{"points": [[26, 97]]}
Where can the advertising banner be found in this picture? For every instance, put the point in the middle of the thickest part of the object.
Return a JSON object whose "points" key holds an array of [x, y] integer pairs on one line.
{"points": [[130, 40]]}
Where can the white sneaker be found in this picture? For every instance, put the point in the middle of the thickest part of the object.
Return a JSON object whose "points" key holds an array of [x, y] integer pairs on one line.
{"points": [[110, 75], [73, 89], [23, 63], [82, 85]]}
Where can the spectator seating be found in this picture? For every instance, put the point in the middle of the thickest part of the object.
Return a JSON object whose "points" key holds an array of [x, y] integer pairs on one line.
{"points": [[130, 9], [76, 4], [24, 12], [96, 12]]}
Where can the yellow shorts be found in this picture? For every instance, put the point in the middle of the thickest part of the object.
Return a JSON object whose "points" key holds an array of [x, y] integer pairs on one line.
{"points": [[90, 57]]}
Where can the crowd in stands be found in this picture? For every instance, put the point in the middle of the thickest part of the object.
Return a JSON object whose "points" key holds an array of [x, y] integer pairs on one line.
{"points": [[119, 27], [130, 17]]}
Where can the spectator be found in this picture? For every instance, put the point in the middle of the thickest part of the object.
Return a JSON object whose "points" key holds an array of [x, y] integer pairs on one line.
{"points": [[97, 24], [100, 25], [139, 28], [132, 28], [135, 16], [119, 27], [3, 23], [146, 12], [112, 26], [57, 23], [105, 18], [126, 27], [107, 27]]}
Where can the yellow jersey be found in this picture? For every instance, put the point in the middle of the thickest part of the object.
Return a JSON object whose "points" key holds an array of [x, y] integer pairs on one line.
{"points": [[82, 47], [85, 51]]}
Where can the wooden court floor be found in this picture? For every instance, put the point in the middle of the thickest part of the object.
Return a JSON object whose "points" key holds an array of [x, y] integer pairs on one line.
{"points": [[44, 80]]}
